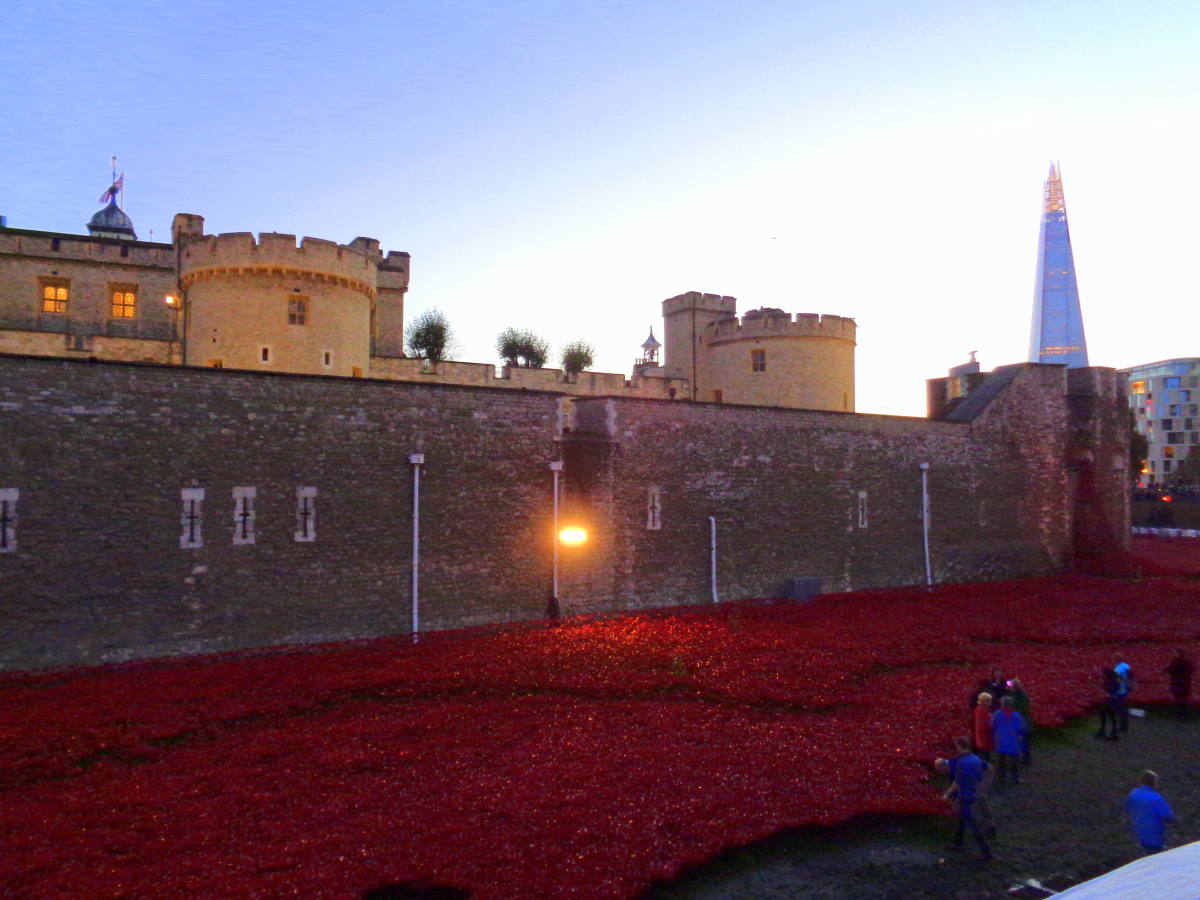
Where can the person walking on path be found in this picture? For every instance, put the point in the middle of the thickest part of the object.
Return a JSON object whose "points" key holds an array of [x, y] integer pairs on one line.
{"points": [[1023, 705], [1148, 812], [1124, 689], [969, 773], [1109, 683], [984, 742], [1179, 672], [1007, 727]]}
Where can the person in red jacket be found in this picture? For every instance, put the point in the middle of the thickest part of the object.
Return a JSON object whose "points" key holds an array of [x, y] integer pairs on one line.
{"points": [[984, 740]]}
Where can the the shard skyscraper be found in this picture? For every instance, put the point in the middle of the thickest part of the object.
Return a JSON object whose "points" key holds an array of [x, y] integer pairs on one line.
{"points": [[1057, 332]]}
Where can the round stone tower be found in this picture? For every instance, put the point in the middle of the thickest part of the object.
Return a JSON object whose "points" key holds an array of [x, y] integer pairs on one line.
{"points": [[769, 358], [270, 304]]}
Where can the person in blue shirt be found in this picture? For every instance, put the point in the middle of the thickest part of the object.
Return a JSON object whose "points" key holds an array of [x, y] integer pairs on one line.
{"points": [[1148, 812], [1007, 728], [970, 774]]}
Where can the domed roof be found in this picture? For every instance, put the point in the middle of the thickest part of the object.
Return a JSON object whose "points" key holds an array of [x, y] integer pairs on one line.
{"points": [[112, 222], [651, 342]]}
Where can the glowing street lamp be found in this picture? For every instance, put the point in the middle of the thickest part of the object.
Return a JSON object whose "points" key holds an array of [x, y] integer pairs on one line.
{"points": [[175, 304], [556, 468], [573, 536]]}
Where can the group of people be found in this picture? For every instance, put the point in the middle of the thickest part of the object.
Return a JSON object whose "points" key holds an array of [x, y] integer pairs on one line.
{"points": [[1002, 724]]}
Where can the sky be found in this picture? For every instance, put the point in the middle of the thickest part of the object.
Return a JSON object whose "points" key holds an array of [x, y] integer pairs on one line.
{"points": [[566, 165]]}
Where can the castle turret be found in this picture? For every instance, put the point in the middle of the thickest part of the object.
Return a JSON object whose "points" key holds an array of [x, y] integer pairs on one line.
{"points": [[270, 304], [685, 317], [769, 358]]}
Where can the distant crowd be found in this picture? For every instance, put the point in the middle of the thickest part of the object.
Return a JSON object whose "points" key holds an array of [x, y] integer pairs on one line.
{"points": [[998, 747]]}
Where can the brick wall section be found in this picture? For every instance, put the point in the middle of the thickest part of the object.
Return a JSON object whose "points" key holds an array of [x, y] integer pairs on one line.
{"points": [[783, 487], [100, 452]]}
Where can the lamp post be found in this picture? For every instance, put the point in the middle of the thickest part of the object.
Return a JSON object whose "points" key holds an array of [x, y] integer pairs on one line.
{"points": [[924, 467], [556, 468], [175, 305], [416, 460]]}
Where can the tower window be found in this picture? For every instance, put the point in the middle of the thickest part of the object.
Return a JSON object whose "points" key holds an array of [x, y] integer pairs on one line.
{"points": [[192, 517], [8, 519], [758, 360], [717, 396], [327, 358], [654, 509], [243, 514], [264, 353], [306, 514], [55, 294], [861, 509], [123, 301], [298, 311]]}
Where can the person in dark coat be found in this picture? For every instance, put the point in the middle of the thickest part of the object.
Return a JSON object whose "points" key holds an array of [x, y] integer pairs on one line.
{"points": [[1179, 672], [1124, 688], [1023, 705], [1110, 684]]}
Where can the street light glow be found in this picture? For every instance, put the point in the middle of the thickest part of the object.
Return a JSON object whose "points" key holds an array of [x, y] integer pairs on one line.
{"points": [[573, 536]]}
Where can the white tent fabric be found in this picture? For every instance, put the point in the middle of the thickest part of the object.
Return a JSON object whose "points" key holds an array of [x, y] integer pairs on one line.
{"points": [[1170, 875]]}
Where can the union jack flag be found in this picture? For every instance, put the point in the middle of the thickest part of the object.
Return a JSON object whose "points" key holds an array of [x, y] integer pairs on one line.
{"points": [[113, 189]]}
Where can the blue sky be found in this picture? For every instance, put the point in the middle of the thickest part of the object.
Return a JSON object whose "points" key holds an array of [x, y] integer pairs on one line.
{"points": [[565, 166]]}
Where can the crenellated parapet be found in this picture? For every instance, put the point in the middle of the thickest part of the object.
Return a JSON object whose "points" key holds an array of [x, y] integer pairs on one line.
{"points": [[773, 323], [235, 254]]}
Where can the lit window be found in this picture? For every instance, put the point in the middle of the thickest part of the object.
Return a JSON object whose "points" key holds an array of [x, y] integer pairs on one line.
{"points": [[1138, 387], [55, 294], [1169, 452], [124, 301], [758, 360], [298, 311]]}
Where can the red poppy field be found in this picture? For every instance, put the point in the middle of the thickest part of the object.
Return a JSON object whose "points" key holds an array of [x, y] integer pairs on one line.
{"points": [[578, 761]]}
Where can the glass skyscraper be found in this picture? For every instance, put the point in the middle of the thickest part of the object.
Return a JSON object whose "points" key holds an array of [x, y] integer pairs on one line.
{"points": [[1057, 332]]}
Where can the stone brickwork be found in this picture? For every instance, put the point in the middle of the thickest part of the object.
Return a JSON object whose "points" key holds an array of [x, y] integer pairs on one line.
{"points": [[784, 487], [103, 460], [101, 452]]}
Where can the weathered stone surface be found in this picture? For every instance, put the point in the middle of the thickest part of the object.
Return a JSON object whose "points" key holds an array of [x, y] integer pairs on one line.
{"points": [[100, 453]]}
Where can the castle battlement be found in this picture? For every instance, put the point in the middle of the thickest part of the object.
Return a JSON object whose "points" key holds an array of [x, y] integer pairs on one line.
{"points": [[761, 323], [698, 300], [238, 253], [80, 248]]}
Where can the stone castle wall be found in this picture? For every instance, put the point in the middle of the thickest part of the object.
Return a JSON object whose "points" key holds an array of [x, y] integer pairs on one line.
{"points": [[100, 455]]}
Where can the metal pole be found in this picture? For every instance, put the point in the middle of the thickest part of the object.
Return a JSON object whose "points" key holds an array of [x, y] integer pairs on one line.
{"points": [[924, 467], [712, 552], [417, 459], [556, 467]]}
